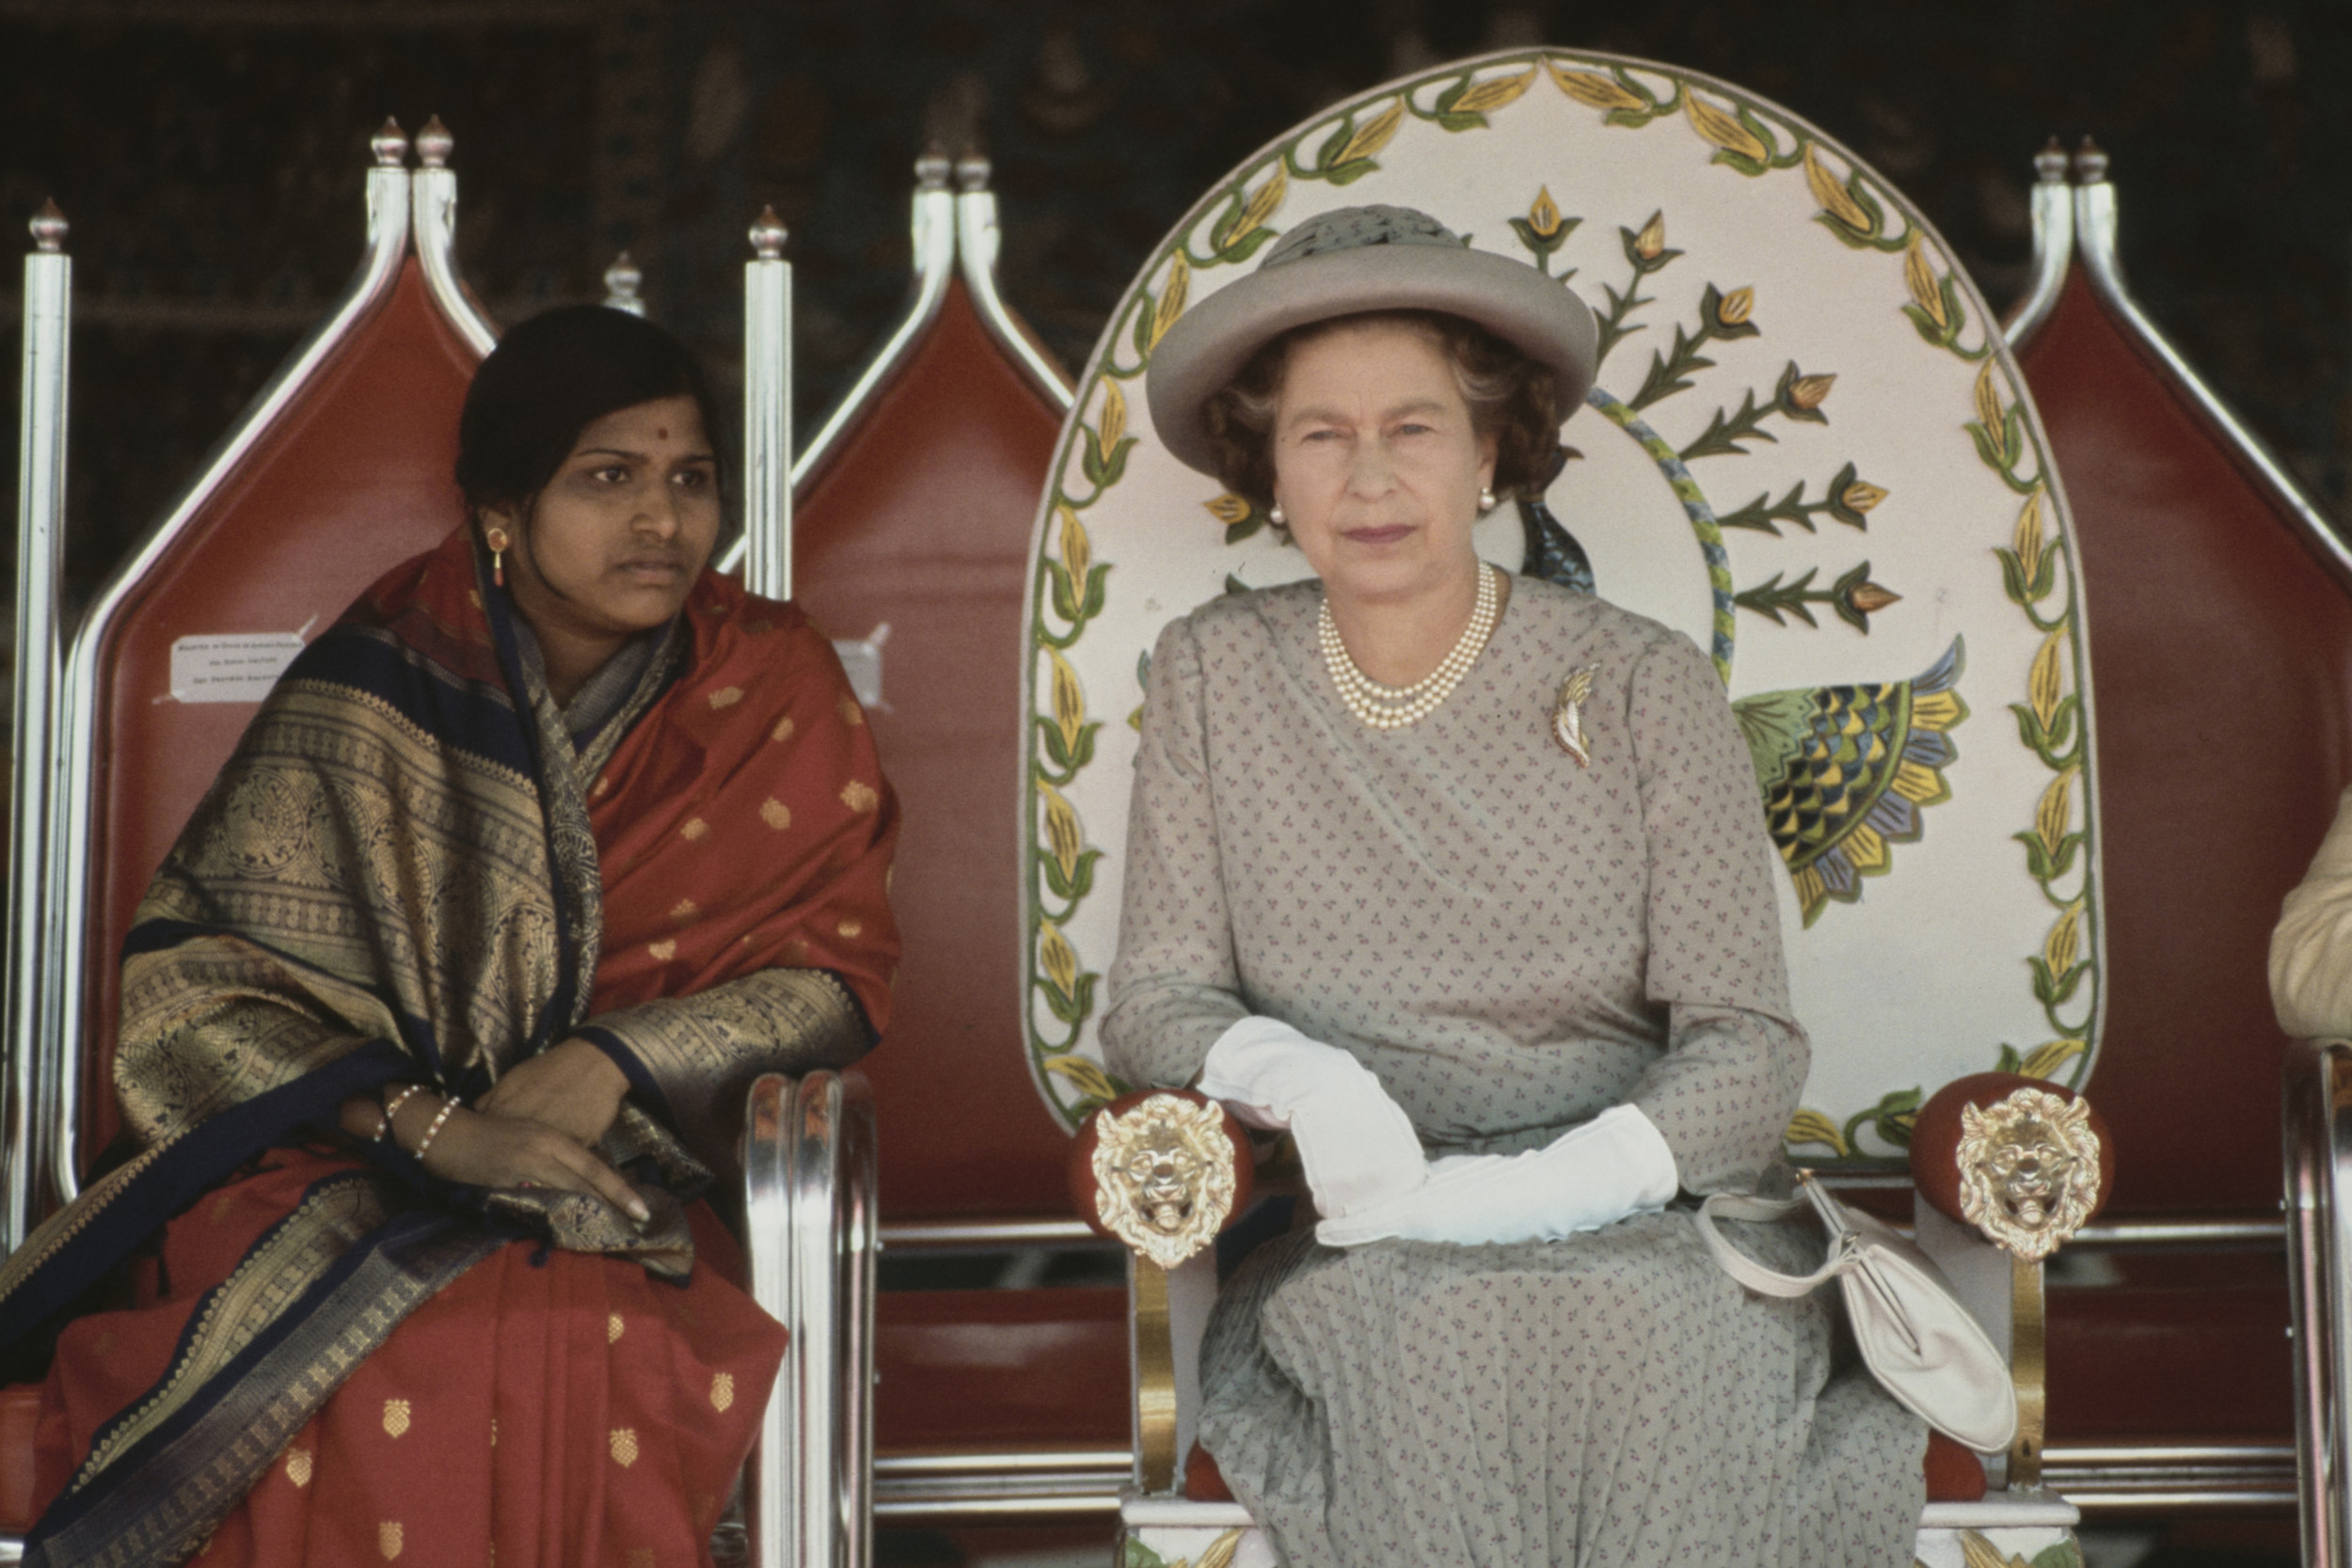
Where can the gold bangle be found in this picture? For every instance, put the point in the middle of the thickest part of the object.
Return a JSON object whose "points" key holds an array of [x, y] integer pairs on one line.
{"points": [[393, 1109], [435, 1131]]}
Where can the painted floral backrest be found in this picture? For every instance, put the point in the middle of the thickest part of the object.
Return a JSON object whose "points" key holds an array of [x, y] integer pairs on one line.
{"points": [[1808, 450]]}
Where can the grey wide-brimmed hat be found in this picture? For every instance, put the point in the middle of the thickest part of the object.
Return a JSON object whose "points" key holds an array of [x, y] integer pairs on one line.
{"points": [[1349, 261]]}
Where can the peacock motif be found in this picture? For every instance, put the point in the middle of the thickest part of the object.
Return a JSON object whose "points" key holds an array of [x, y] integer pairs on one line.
{"points": [[1846, 771]]}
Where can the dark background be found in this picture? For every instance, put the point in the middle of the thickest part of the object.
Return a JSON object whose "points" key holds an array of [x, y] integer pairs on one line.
{"points": [[209, 154]]}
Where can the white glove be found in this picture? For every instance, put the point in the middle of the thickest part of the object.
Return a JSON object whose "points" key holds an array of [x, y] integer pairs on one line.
{"points": [[1590, 1175], [1357, 1144]]}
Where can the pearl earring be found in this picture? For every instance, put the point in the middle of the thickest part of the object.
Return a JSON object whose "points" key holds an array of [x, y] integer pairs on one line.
{"points": [[1486, 500], [496, 538], [1275, 515]]}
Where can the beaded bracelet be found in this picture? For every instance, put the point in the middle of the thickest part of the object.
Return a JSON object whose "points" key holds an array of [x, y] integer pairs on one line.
{"points": [[393, 1109], [435, 1131]]}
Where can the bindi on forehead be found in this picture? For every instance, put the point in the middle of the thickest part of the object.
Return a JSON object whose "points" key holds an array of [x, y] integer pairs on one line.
{"points": [[662, 432]]}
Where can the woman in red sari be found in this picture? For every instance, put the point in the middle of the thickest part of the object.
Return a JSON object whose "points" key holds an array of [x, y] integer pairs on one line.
{"points": [[441, 1016]]}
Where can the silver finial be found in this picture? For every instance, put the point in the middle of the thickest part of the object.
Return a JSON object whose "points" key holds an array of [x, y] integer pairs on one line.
{"points": [[620, 283], [434, 144], [48, 227], [972, 172], [389, 144], [2091, 164], [931, 171], [768, 235], [2050, 163]]}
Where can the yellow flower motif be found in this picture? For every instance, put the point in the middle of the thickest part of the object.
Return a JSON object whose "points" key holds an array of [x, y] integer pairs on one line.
{"points": [[1090, 1080], [1651, 242], [1069, 707], [1870, 598], [1988, 399], [1809, 393], [662, 951], [2050, 819], [859, 796], [696, 829], [1114, 424], [1832, 194], [775, 814], [1261, 205], [1811, 1126], [2045, 681], [1494, 92], [1593, 88], [1172, 294], [722, 1390], [2048, 1061], [1227, 509], [299, 1467], [1736, 306], [1221, 1551], [1927, 289], [395, 1417], [725, 697], [850, 929], [1722, 127], [1062, 834], [623, 1443], [613, 1329], [1544, 217], [388, 1539], [1055, 955], [783, 730], [2028, 540], [684, 911], [1078, 550], [2061, 946], [1861, 495], [1372, 134], [851, 714]]}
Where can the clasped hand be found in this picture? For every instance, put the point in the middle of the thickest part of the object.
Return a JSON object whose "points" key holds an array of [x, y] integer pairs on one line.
{"points": [[537, 1127]]}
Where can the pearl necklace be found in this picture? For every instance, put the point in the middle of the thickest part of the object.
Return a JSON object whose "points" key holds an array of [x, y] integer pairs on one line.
{"points": [[1393, 708]]}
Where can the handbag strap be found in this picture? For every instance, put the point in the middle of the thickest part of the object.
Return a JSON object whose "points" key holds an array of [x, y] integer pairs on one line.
{"points": [[1746, 1270]]}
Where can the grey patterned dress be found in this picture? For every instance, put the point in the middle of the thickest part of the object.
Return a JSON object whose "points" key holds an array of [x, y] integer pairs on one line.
{"points": [[1513, 943]]}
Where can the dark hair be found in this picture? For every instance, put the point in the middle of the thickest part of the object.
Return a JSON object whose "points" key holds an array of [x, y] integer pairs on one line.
{"points": [[1512, 398], [553, 376]]}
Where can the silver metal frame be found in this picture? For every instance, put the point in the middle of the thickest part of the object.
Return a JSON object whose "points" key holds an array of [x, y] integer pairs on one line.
{"points": [[435, 223], [978, 240], [58, 1061], [2316, 1143], [2052, 244], [934, 228], [768, 412], [40, 559], [813, 1236], [2095, 227]]}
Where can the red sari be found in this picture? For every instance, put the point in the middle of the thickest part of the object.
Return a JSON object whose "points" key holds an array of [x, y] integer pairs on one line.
{"points": [[546, 1402]]}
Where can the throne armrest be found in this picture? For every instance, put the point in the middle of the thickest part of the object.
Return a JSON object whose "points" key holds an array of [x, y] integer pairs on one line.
{"points": [[2008, 1168], [1161, 1172]]}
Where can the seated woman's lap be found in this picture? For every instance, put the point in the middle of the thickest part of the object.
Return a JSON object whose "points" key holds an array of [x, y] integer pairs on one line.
{"points": [[614, 1407]]}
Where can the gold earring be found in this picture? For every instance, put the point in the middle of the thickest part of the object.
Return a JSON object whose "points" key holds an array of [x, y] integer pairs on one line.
{"points": [[496, 538]]}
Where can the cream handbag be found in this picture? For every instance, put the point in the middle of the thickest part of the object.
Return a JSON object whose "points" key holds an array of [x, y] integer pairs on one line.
{"points": [[1918, 1339]]}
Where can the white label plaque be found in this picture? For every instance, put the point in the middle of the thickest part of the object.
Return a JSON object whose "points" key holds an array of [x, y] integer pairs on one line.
{"points": [[236, 667]]}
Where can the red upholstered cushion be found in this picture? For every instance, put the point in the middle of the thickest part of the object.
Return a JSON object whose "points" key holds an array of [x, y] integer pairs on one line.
{"points": [[20, 1412], [1954, 1474]]}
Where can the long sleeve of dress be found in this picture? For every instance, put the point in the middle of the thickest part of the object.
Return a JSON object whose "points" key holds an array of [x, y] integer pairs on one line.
{"points": [[1736, 1058], [1175, 986], [2310, 952]]}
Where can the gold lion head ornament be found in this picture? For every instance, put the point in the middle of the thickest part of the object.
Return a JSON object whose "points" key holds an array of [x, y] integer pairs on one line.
{"points": [[1164, 1173], [2028, 1170]]}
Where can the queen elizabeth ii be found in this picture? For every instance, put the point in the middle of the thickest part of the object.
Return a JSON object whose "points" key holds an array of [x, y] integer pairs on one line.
{"points": [[1462, 880]]}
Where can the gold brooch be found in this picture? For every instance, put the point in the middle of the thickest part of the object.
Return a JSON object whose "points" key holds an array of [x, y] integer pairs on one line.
{"points": [[1164, 1174], [2028, 1170], [1567, 719]]}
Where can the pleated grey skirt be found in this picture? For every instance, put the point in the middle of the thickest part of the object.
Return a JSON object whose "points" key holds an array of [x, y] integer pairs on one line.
{"points": [[1612, 1401]]}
